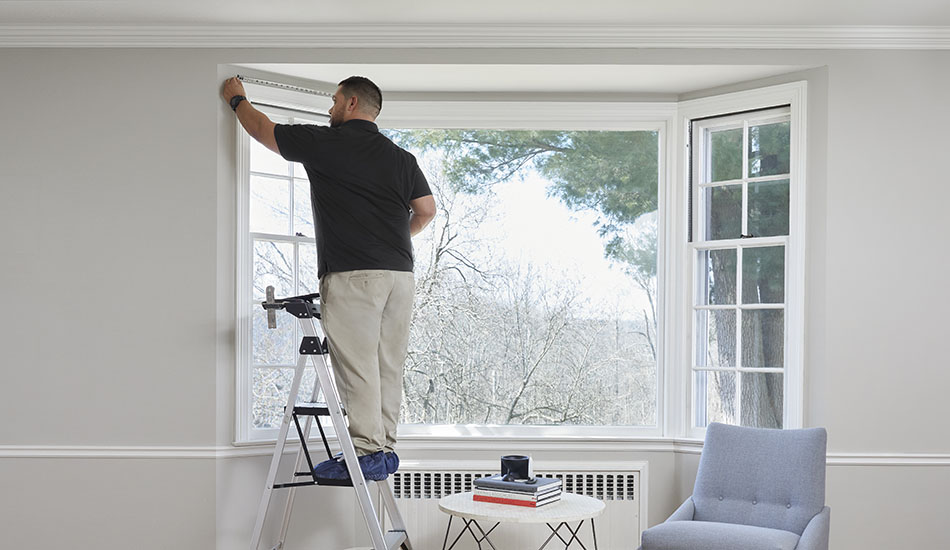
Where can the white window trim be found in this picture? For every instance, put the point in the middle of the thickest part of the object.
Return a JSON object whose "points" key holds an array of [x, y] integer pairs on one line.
{"points": [[608, 116], [244, 255], [640, 116], [673, 263], [680, 413]]}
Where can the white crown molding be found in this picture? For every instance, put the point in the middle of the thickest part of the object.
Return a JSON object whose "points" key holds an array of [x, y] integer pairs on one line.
{"points": [[475, 36], [679, 446]]}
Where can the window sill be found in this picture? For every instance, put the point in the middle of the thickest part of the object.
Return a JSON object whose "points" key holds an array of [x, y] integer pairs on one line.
{"points": [[506, 443], [487, 432]]}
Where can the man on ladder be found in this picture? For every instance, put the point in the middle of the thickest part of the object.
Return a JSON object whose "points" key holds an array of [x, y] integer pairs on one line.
{"points": [[368, 197]]}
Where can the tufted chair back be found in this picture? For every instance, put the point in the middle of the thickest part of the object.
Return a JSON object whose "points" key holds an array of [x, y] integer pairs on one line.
{"points": [[761, 477]]}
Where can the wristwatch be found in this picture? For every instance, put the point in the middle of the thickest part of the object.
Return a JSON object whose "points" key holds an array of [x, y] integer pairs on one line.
{"points": [[235, 101]]}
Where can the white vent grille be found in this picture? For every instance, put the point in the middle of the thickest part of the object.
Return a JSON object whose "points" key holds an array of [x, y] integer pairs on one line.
{"points": [[435, 485]]}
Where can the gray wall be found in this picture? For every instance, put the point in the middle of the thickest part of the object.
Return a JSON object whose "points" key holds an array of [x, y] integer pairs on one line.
{"points": [[117, 219]]}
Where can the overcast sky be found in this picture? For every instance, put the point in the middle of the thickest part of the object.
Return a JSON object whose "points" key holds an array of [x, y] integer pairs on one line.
{"points": [[539, 230]]}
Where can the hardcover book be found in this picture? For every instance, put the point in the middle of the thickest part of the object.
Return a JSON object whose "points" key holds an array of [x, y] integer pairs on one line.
{"points": [[514, 501], [539, 485], [532, 497]]}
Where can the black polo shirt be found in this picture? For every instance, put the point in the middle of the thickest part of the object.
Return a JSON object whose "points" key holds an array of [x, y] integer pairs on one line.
{"points": [[360, 187]]}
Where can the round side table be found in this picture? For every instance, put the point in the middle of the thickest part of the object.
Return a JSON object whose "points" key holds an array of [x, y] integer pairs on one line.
{"points": [[556, 516]]}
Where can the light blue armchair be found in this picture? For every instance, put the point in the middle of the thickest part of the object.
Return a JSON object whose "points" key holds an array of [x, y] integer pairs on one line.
{"points": [[756, 489]]}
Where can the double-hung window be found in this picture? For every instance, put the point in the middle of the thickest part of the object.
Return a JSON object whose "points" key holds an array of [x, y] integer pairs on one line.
{"points": [[745, 276], [276, 247]]}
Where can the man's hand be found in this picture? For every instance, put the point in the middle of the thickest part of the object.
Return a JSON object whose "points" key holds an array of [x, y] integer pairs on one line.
{"points": [[256, 123], [231, 88]]}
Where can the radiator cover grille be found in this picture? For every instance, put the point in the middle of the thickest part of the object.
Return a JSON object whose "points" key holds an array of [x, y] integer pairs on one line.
{"points": [[437, 484]]}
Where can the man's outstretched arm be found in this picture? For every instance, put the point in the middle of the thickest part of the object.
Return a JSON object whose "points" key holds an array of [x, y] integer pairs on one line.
{"points": [[256, 123]]}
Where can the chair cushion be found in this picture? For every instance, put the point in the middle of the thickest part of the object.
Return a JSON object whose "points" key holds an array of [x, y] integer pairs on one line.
{"points": [[708, 535]]}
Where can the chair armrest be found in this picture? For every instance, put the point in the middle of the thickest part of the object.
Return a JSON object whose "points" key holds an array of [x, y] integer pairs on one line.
{"points": [[816, 533], [684, 512]]}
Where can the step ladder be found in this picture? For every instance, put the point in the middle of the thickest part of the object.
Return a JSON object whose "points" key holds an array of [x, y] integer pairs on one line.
{"points": [[306, 309]]}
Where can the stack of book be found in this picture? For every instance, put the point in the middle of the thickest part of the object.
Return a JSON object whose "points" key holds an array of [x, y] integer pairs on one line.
{"points": [[532, 494]]}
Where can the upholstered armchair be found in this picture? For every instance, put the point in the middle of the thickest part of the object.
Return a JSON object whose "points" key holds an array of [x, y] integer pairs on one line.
{"points": [[756, 489]]}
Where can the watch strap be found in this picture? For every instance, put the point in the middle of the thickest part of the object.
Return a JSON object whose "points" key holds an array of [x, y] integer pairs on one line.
{"points": [[235, 101]]}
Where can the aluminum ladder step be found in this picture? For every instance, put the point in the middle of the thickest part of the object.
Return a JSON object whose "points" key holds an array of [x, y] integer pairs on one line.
{"points": [[394, 539], [312, 409]]}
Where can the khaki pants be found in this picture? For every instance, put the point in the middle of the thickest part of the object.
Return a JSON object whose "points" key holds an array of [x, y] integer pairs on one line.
{"points": [[365, 315]]}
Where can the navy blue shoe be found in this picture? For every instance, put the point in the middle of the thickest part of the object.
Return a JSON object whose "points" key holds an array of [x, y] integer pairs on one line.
{"points": [[332, 469], [392, 462], [372, 465]]}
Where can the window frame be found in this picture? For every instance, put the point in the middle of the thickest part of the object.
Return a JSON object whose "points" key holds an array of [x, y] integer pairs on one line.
{"points": [[792, 95], [597, 116], [674, 262], [612, 116]]}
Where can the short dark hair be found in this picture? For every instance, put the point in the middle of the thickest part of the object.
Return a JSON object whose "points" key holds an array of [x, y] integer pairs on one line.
{"points": [[366, 91]]}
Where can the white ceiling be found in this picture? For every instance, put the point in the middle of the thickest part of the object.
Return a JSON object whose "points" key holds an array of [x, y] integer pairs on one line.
{"points": [[563, 12], [610, 79]]}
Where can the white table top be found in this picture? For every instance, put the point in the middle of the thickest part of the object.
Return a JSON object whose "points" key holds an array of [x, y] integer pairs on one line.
{"points": [[571, 507]]}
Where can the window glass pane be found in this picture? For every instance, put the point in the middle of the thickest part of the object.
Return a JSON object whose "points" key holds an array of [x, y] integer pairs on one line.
{"points": [[273, 266], [725, 154], [270, 389], [266, 161], [273, 346], [719, 273], [768, 149], [303, 213], [308, 269], [762, 399], [763, 275], [723, 212], [537, 283], [716, 338], [768, 208], [270, 205], [763, 338], [717, 394]]}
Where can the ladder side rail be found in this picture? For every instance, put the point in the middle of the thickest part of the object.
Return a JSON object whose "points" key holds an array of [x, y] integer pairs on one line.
{"points": [[395, 517], [289, 505], [346, 443], [278, 452]]}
